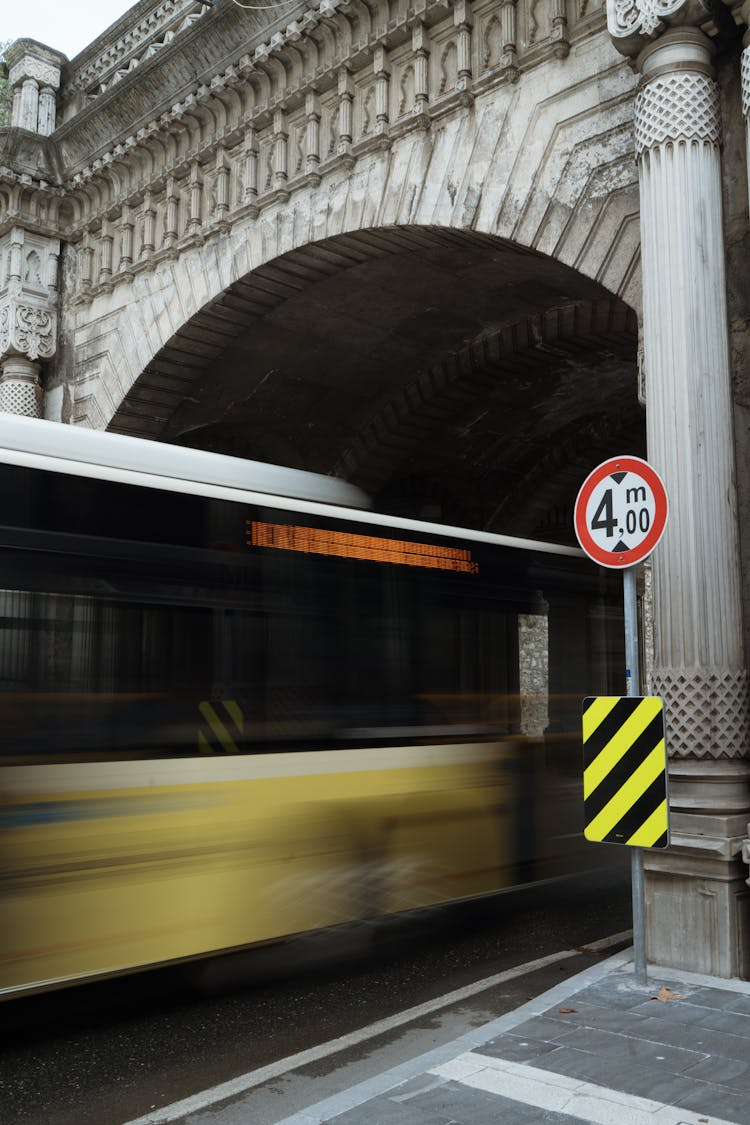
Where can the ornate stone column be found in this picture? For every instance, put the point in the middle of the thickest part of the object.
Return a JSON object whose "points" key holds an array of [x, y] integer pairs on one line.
{"points": [[745, 80], [28, 261], [28, 322], [741, 13], [697, 906]]}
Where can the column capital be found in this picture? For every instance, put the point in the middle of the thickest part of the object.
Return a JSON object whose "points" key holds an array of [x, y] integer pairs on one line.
{"points": [[678, 99], [32, 66], [28, 59], [634, 24], [27, 329]]}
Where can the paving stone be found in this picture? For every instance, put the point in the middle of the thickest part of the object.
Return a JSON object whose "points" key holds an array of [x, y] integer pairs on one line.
{"points": [[613, 993], [729, 1023], [607, 1045], [385, 1111], [518, 1049], [459, 1103], [723, 1072], [620, 1074], [722, 998], [692, 1038], [683, 1012], [722, 1103], [586, 1014], [546, 1028]]}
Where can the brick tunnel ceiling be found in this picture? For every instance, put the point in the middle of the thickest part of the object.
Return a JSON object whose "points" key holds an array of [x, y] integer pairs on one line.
{"points": [[449, 374]]}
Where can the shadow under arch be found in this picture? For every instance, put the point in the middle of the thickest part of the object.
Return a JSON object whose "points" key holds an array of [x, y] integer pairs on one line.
{"points": [[401, 352]]}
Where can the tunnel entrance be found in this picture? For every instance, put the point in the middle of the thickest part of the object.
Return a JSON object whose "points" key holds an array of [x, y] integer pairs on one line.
{"points": [[453, 375]]}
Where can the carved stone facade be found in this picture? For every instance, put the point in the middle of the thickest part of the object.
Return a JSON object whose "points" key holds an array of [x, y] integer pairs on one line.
{"points": [[138, 43], [164, 191]]}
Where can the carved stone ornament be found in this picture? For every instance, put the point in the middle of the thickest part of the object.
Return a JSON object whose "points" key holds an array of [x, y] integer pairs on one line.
{"points": [[629, 17], [26, 59], [28, 330], [158, 21], [707, 711], [46, 74], [627, 20]]}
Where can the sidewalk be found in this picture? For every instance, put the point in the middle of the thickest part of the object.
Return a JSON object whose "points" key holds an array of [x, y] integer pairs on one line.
{"points": [[596, 1048]]}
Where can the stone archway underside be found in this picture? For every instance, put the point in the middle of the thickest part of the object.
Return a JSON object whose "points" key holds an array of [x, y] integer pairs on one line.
{"points": [[449, 373]]}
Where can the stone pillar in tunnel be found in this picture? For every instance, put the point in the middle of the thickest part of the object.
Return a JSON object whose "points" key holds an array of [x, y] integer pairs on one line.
{"points": [[697, 900]]}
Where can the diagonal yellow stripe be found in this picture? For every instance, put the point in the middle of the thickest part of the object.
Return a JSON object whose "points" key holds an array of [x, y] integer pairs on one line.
{"points": [[596, 713], [626, 796], [652, 829], [235, 714], [620, 743], [218, 728]]}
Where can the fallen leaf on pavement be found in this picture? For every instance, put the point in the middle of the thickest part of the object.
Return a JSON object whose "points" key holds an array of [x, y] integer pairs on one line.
{"points": [[567, 1011], [664, 994]]}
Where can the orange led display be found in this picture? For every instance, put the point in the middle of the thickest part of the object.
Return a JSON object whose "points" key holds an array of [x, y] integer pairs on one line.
{"points": [[347, 545]]}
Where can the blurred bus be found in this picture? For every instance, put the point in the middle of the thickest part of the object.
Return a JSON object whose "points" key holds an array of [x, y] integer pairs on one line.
{"points": [[237, 706]]}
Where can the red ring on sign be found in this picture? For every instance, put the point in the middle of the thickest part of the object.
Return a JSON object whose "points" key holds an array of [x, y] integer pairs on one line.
{"points": [[621, 559]]}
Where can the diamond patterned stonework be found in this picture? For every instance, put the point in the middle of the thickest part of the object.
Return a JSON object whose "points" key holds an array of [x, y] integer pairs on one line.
{"points": [[681, 106], [707, 712], [745, 71], [19, 398]]}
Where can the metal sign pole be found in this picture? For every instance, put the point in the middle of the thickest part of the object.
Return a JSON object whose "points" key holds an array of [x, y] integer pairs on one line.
{"points": [[632, 681], [619, 517]]}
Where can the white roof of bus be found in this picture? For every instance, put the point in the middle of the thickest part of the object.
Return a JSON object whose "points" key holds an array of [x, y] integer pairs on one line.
{"points": [[83, 452], [157, 459]]}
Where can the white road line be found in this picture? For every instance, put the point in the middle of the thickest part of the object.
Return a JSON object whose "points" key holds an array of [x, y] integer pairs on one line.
{"points": [[245, 1082], [557, 1093]]}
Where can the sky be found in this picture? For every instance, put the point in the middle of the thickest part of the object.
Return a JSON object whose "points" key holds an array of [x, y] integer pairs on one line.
{"points": [[66, 25]]}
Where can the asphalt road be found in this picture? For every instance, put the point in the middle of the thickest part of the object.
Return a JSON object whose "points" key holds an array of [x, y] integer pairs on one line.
{"points": [[107, 1053]]}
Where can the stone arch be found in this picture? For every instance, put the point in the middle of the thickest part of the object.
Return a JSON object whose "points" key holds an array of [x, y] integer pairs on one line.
{"points": [[553, 175], [501, 320], [117, 347], [163, 309]]}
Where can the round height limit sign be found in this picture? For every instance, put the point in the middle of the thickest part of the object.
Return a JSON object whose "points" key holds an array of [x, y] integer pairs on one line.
{"points": [[621, 512]]}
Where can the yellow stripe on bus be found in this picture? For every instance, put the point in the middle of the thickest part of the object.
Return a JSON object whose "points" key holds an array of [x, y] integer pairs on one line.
{"points": [[235, 714], [218, 728]]}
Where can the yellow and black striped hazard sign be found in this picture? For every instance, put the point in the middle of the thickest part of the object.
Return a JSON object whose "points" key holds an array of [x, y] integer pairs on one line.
{"points": [[625, 771], [221, 723]]}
